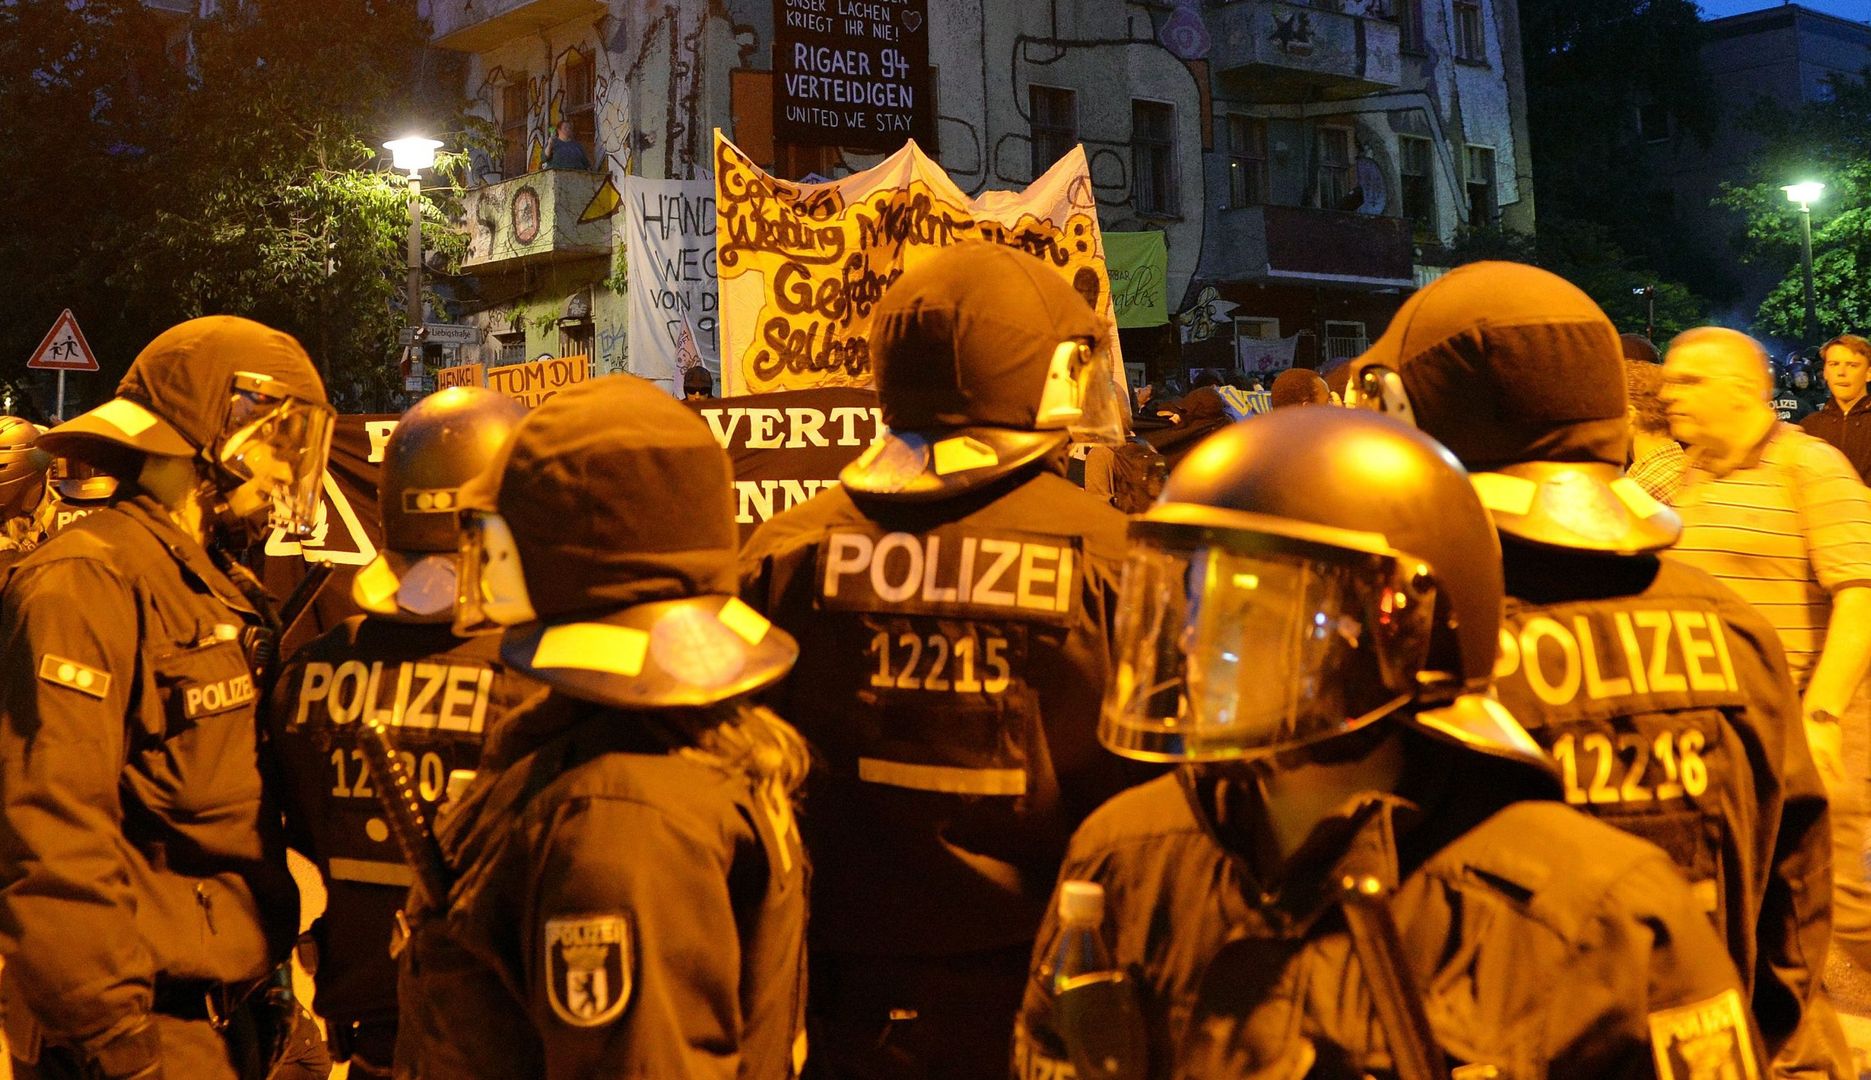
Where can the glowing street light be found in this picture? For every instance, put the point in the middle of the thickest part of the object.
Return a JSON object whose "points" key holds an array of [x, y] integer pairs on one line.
{"points": [[413, 153], [1803, 195]]}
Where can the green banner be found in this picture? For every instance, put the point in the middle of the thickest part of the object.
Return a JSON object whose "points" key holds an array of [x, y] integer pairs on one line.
{"points": [[1138, 263]]}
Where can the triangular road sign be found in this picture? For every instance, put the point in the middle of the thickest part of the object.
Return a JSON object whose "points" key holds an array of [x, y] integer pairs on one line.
{"points": [[64, 348]]}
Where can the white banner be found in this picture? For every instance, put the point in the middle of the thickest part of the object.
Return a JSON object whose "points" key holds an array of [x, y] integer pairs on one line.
{"points": [[671, 262], [1258, 356]]}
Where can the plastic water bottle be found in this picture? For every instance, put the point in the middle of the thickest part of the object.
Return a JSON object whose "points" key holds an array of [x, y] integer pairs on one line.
{"points": [[1081, 949]]}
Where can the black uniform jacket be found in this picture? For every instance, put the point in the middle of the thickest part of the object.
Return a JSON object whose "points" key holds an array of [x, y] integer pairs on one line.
{"points": [[136, 841], [438, 694], [1545, 944], [952, 657], [1849, 431], [1665, 701], [622, 908]]}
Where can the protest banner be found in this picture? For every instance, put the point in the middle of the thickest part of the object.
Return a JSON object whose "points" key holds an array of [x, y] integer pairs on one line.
{"points": [[1139, 267], [536, 380], [802, 266], [461, 375], [1259, 356], [789, 446], [670, 260], [859, 78]]}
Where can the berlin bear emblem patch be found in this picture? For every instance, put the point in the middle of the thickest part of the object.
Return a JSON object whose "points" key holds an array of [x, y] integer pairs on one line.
{"points": [[588, 968]]}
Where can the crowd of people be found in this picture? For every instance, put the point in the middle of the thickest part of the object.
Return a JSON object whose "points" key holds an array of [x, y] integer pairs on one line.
{"points": [[1508, 722]]}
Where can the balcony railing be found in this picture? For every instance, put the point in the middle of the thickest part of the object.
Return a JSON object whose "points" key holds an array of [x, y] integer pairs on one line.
{"points": [[1287, 52], [546, 216], [1335, 245], [479, 25]]}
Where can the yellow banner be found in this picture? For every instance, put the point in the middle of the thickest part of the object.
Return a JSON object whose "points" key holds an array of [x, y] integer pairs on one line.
{"points": [[533, 382], [802, 266], [461, 375]]}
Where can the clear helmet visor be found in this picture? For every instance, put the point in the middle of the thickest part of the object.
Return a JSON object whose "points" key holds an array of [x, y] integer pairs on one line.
{"points": [[280, 446], [1379, 389], [1227, 653], [490, 586]]}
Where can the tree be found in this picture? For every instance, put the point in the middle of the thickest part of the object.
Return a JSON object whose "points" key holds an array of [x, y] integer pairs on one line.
{"points": [[1828, 141], [1584, 254], [246, 182]]}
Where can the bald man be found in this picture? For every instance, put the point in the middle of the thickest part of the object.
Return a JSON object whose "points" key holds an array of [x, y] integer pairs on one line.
{"points": [[1780, 517]]}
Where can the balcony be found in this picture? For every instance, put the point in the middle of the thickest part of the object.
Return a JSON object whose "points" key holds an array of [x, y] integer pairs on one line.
{"points": [[1293, 52], [1298, 244], [536, 218], [479, 25]]}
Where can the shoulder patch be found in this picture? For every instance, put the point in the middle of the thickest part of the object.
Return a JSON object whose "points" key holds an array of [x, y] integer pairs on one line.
{"points": [[74, 676], [588, 968], [1707, 1038]]}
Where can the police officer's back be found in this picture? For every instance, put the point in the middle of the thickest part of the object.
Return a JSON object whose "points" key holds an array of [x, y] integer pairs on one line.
{"points": [[629, 894], [23, 491], [145, 905], [1309, 621], [953, 601], [1663, 698], [402, 664]]}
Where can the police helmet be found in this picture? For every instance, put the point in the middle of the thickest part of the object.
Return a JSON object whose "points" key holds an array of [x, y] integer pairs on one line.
{"points": [[602, 537], [239, 396], [1521, 375], [983, 360], [1303, 576], [81, 483], [22, 466], [441, 443]]}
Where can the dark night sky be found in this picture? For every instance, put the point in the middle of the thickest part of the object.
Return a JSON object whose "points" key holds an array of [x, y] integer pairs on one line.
{"points": [[1856, 10]]}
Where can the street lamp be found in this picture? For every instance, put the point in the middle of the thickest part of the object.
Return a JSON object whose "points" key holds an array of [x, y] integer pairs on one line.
{"points": [[1804, 194], [415, 153]]}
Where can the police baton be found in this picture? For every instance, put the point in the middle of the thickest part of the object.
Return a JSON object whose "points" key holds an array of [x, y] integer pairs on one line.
{"points": [[1399, 1004], [402, 810]]}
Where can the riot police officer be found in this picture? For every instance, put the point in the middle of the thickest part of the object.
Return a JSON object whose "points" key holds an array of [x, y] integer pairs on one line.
{"points": [[145, 904], [1663, 698], [952, 600], [22, 488], [74, 488], [629, 887], [402, 664], [1309, 619]]}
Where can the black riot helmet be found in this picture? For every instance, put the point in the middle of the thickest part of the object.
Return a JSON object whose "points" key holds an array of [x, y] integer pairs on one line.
{"points": [[22, 467], [441, 443], [985, 361], [1304, 575], [1521, 375]]}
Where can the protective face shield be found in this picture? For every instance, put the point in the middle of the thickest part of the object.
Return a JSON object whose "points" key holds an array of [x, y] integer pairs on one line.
{"points": [[276, 446], [81, 482], [490, 590], [1068, 380], [1235, 643], [1801, 378], [1379, 389]]}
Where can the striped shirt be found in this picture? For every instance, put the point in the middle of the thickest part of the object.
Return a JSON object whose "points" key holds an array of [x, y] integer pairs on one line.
{"points": [[1785, 530]]}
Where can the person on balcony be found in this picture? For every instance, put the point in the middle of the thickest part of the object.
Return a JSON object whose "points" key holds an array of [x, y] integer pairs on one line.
{"points": [[565, 151]]}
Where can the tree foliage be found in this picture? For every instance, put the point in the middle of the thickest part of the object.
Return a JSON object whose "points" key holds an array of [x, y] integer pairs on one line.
{"points": [[1584, 254], [1830, 142], [235, 171]]}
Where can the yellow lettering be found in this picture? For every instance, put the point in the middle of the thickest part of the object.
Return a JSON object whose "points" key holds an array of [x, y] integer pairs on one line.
{"points": [[1696, 650], [432, 675], [1597, 687], [313, 685], [932, 592], [880, 563], [353, 672], [1567, 686], [401, 704], [1633, 659], [1063, 600], [457, 691], [964, 581], [1662, 680], [1720, 636], [482, 691], [1507, 661]]}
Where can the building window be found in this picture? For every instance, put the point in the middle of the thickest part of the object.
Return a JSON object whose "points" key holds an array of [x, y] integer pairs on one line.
{"points": [[575, 337], [795, 162], [510, 347], [1410, 25], [1344, 340], [1247, 161], [1479, 161], [580, 102], [514, 149], [1153, 157], [1416, 159], [1055, 124], [1256, 328], [1335, 169], [1469, 42]]}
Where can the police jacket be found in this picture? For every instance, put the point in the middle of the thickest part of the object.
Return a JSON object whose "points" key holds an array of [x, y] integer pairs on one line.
{"points": [[952, 658], [1849, 431], [622, 907], [1665, 701], [1545, 944], [438, 694], [139, 850]]}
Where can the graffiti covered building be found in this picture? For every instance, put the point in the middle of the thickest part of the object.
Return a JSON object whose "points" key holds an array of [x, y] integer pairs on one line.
{"points": [[1305, 161]]}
